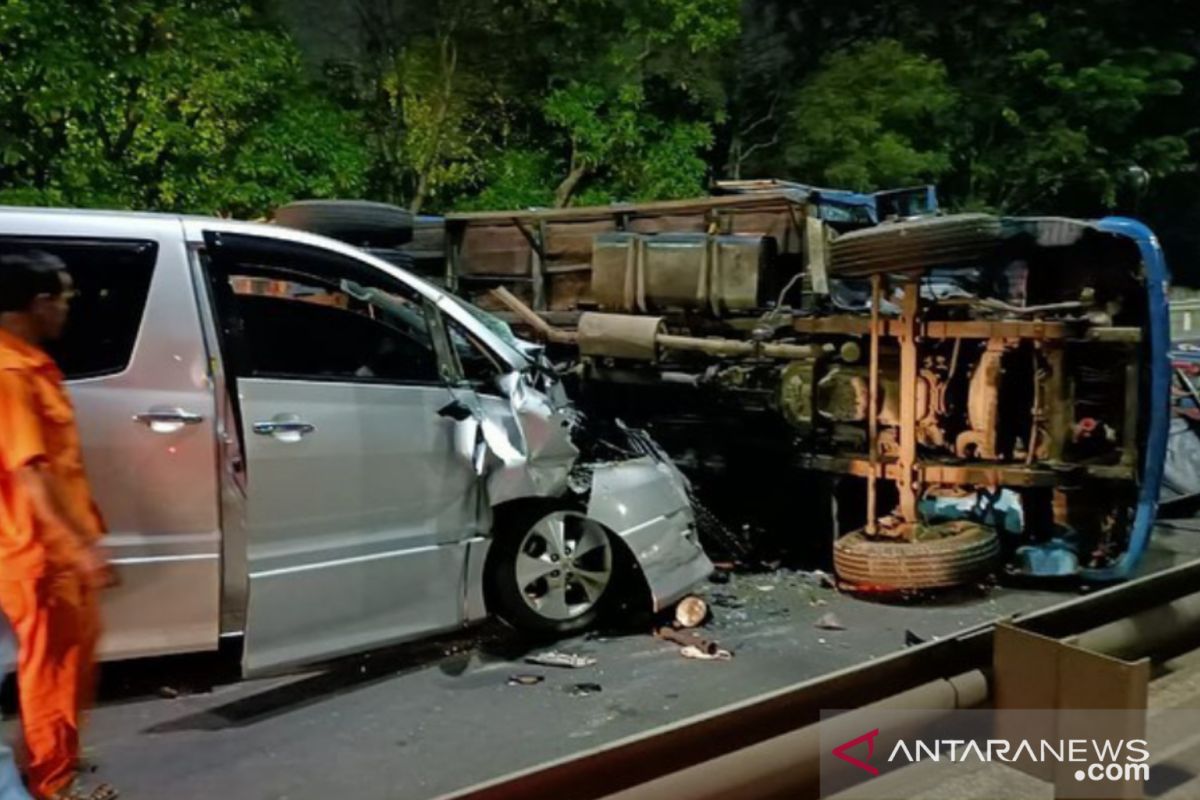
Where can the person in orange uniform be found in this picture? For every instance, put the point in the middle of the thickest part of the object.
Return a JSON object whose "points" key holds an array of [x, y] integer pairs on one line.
{"points": [[51, 563]]}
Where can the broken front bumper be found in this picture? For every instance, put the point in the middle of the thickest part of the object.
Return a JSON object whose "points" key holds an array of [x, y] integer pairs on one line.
{"points": [[522, 445], [645, 502]]}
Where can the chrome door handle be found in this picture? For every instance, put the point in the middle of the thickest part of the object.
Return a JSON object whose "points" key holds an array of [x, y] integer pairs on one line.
{"points": [[284, 428], [167, 420]]}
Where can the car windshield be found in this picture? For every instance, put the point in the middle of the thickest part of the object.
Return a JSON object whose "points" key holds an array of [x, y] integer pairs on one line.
{"points": [[496, 325]]}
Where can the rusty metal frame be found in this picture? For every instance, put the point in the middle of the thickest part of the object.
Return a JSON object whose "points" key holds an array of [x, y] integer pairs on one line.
{"points": [[908, 473], [968, 329], [873, 406], [1058, 398], [907, 481], [988, 474], [1129, 423]]}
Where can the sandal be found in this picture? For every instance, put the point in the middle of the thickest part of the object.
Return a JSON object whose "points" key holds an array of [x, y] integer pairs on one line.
{"points": [[76, 791]]}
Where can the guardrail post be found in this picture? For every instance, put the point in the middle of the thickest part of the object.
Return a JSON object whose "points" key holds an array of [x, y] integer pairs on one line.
{"points": [[1040, 674]]}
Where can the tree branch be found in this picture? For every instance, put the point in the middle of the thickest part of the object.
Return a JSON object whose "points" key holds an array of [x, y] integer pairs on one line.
{"points": [[764, 119], [744, 154], [575, 173], [448, 56]]}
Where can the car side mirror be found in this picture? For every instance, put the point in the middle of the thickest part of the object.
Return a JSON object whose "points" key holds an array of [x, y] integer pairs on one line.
{"points": [[455, 410]]}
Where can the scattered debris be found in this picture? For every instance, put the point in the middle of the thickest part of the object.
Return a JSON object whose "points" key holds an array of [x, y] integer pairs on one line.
{"points": [[765, 587], [168, 692], [830, 622], [703, 655], [818, 578], [821, 641], [720, 576], [525, 679], [689, 639], [911, 639], [690, 612], [684, 638], [726, 600], [584, 689], [554, 658]]}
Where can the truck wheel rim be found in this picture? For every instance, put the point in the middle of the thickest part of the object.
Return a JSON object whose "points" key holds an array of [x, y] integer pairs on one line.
{"points": [[563, 565]]}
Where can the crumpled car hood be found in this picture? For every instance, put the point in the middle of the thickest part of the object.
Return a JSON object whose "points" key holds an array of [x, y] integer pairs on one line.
{"points": [[523, 444]]}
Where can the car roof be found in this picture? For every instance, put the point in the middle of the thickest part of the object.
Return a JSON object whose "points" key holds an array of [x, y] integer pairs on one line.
{"points": [[30, 221], [86, 222], [134, 224]]}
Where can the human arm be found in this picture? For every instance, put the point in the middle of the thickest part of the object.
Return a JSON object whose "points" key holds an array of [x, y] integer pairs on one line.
{"points": [[24, 456]]}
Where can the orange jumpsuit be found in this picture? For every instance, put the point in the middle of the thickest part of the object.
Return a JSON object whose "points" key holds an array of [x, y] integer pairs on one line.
{"points": [[52, 609]]}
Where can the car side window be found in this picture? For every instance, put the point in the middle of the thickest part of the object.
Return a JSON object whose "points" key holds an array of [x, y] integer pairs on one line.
{"points": [[479, 367], [293, 325], [112, 282]]}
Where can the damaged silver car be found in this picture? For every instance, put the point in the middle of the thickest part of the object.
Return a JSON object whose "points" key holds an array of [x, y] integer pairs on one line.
{"points": [[303, 445]]}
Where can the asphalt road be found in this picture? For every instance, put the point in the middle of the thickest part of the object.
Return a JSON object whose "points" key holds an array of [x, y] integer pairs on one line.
{"points": [[420, 720]]}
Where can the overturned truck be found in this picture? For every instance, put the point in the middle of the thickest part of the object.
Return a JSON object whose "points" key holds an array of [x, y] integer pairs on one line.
{"points": [[965, 390], [978, 386]]}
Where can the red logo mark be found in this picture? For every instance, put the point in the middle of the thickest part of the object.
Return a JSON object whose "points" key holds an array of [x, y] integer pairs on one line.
{"points": [[869, 738]]}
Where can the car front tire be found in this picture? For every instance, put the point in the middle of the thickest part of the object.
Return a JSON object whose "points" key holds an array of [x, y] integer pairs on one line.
{"points": [[553, 571]]}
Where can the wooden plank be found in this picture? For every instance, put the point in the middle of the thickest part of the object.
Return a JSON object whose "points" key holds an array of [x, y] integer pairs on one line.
{"points": [[780, 198], [558, 269]]}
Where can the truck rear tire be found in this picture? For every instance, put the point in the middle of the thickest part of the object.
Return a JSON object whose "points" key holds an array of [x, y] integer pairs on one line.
{"points": [[358, 222]]}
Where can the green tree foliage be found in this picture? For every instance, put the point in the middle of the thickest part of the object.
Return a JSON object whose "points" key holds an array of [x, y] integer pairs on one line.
{"points": [[434, 102], [1063, 116], [154, 104], [432, 82], [873, 115], [594, 99], [1055, 104], [514, 178], [205, 105], [635, 102]]}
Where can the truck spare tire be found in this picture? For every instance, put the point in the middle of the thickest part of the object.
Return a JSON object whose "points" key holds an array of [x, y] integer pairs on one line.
{"points": [[397, 258], [965, 552], [915, 245], [358, 222]]}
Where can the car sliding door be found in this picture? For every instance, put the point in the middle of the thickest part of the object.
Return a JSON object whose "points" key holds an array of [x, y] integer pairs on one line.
{"points": [[358, 503]]}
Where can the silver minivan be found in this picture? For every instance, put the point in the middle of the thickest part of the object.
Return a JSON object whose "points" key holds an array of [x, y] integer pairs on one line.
{"points": [[300, 444]]}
